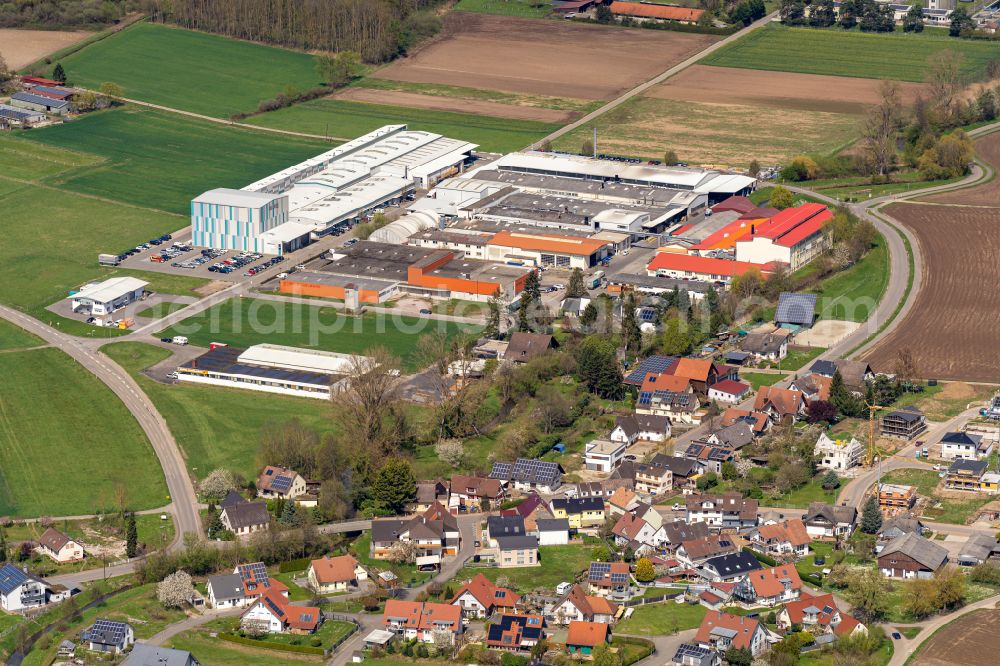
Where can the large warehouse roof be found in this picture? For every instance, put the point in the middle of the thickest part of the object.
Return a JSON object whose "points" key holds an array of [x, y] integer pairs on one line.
{"points": [[401, 230], [110, 289], [225, 196], [548, 243], [295, 358]]}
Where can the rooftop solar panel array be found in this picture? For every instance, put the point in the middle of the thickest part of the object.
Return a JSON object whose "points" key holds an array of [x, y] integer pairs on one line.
{"points": [[656, 364], [11, 578], [107, 632]]}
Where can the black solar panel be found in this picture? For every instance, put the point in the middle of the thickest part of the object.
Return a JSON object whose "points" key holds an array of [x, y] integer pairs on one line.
{"points": [[281, 484], [619, 578], [255, 572], [647, 314], [657, 364]]}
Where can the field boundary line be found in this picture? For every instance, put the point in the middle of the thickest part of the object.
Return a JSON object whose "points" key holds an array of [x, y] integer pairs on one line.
{"points": [[85, 195], [656, 80]]}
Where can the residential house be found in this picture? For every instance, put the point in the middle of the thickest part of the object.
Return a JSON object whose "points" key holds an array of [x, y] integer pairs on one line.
{"points": [[818, 615], [824, 521], [274, 614], [280, 482], [242, 587], [144, 654], [609, 578], [621, 501], [729, 391], [855, 374], [577, 606], [781, 405], [531, 510], [693, 552], [633, 428], [524, 347], [603, 488], [728, 568], [58, 547], [708, 456], [424, 621], [812, 387], [108, 636], [788, 538], [581, 512], [647, 479], [335, 574], [434, 533], [734, 437], [772, 346], [583, 637], [481, 598], [899, 525], [703, 373], [905, 423], [695, 655], [990, 483], [978, 549], [678, 408], [525, 474], [428, 493], [633, 531], [838, 454], [683, 471], [472, 491], [603, 455], [517, 551], [894, 495], [20, 591], [729, 511], [911, 556], [965, 474], [553, 531], [795, 311], [963, 445], [507, 525], [759, 422], [244, 518], [769, 587], [679, 531], [515, 632], [664, 381], [655, 364], [722, 632]]}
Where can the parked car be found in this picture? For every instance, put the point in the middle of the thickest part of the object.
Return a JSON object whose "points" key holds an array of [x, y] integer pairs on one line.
{"points": [[425, 311], [166, 339]]}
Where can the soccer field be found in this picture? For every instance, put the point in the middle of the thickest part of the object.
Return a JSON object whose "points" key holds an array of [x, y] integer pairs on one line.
{"points": [[162, 160], [66, 441], [189, 70], [245, 322], [346, 119], [898, 56]]}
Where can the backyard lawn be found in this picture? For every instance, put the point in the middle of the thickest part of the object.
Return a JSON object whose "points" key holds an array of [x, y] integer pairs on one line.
{"points": [[87, 439], [803, 496], [407, 573], [558, 564], [758, 379], [798, 357], [154, 63], [215, 426], [662, 619], [245, 322], [216, 652]]}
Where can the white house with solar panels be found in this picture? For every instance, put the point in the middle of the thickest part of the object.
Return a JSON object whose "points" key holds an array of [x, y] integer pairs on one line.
{"points": [[285, 210], [109, 636], [20, 591], [528, 474]]}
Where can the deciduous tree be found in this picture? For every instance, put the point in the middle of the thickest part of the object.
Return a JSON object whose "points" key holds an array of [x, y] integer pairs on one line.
{"points": [[175, 590], [394, 486]]}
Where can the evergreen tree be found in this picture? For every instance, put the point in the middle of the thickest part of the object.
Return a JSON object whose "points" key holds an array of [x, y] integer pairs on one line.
{"points": [[532, 287], [290, 515], [394, 486], [3, 546], [871, 516], [630, 325], [914, 19], [59, 74], [576, 287], [597, 367], [131, 537], [494, 311], [589, 316], [524, 314]]}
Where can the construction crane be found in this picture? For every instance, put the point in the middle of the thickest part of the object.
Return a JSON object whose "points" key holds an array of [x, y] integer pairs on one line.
{"points": [[872, 452]]}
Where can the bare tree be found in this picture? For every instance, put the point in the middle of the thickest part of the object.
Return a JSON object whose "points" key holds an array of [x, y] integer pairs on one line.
{"points": [[944, 78], [367, 404], [879, 130], [906, 366]]}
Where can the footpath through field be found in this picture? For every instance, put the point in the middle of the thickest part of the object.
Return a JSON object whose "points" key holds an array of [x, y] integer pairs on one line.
{"points": [[643, 87]]}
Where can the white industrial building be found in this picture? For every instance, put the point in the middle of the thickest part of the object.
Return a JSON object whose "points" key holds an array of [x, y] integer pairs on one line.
{"points": [[103, 298], [338, 187], [400, 231], [309, 373]]}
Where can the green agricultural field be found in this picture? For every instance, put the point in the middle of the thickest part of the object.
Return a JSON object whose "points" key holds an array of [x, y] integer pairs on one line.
{"points": [[899, 56], [162, 160], [728, 135], [558, 564], [193, 71], [215, 426], [245, 322], [14, 337], [60, 422], [341, 118], [662, 619], [523, 8]]}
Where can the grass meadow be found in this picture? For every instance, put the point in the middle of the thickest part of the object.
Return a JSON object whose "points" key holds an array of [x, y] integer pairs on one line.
{"points": [[66, 441], [245, 322], [189, 70], [14, 337], [522, 8], [346, 119], [897, 56], [215, 426]]}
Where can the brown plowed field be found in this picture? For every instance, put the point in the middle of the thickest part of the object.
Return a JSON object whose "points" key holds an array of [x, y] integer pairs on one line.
{"points": [[784, 90], [953, 328], [988, 194], [968, 641], [481, 107], [20, 48], [556, 58]]}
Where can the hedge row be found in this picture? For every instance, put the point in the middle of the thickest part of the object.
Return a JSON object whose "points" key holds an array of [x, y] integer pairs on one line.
{"points": [[282, 647], [646, 645], [761, 557], [289, 566]]}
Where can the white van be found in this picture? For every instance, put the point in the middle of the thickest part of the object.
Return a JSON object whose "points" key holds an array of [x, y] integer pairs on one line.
{"points": [[180, 340]]}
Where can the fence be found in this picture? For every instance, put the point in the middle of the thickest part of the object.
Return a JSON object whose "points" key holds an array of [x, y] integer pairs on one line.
{"points": [[343, 639]]}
